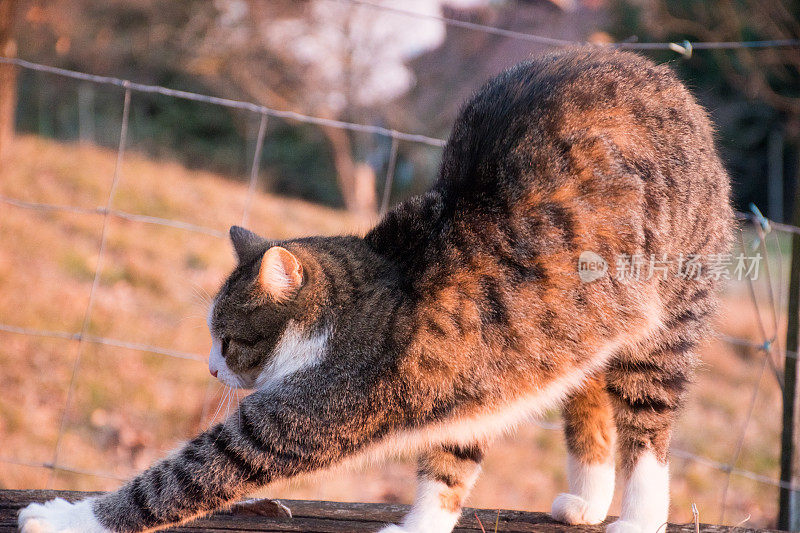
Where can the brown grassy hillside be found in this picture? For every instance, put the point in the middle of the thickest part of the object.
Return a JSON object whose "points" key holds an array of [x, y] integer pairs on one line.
{"points": [[130, 407]]}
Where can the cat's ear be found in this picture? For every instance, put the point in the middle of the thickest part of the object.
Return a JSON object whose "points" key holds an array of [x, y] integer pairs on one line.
{"points": [[281, 274], [245, 243]]}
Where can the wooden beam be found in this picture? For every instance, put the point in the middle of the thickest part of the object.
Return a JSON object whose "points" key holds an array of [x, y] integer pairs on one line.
{"points": [[334, 517]]}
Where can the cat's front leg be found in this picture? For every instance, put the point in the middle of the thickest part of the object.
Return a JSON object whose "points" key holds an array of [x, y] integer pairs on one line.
{"points": [[276, 433], [446, 475], [60, 516]]}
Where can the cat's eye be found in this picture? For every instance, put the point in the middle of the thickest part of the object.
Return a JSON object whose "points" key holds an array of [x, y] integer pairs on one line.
{"points": [[225, 344]]}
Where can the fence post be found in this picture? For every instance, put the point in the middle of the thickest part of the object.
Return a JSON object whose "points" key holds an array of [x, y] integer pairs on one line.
{"points": [[789, 501], [775, 175], [8, 73], [86, 113]]}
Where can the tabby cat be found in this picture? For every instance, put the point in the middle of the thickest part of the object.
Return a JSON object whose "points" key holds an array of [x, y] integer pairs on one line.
{"points": [[463, 311]]}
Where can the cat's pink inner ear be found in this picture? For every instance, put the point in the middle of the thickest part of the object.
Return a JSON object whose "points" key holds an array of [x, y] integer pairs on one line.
{"points": [[281, 274]]}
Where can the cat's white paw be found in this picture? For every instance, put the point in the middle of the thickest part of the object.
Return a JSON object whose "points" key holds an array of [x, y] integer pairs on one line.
{"points": [[591, 487], [629, 526], [393, 529], [625, 526], [59, 516], [574, 510]]}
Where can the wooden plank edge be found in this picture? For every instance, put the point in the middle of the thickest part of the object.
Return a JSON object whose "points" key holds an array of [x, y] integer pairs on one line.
{"points": [[327, 517]]}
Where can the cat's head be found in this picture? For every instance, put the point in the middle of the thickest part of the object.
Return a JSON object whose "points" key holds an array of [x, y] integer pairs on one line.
{"points": [[264, 322]]}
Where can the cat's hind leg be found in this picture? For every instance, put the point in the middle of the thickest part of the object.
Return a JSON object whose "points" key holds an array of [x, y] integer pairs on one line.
{"points": [[445, 476], [589, 432], [647, 386]]}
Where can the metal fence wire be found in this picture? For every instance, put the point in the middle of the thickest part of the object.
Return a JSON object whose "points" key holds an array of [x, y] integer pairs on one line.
{"points": [[768, 348]]}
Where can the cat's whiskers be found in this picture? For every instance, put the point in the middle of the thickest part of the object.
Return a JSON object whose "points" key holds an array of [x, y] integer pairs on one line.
{"points": [[222, 400], [200, 305], [203, 300], [193, 316], [228, 403], [201, 295], [219, 406], [238, 405]]}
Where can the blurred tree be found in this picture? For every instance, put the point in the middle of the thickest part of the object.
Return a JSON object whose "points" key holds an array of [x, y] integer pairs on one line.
{"points": [[753, 94], [8, 73], [127, 39], [327, 59], [318, 57]]}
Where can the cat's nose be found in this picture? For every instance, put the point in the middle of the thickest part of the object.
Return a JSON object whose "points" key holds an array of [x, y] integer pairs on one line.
{"points": [[213, 372]]}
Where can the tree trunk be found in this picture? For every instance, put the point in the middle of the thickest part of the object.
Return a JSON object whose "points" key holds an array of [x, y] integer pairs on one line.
{"points": [[357, 186], [8, 75]]}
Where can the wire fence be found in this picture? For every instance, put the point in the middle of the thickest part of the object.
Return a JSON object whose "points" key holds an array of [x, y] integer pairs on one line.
{"points": [[684, 47], [768, 347]]}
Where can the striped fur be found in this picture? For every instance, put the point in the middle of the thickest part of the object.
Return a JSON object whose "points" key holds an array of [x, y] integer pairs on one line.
{"points": [[446, 475], [462, 311]]}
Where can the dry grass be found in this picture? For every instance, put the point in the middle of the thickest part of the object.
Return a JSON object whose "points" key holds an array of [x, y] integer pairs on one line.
{"points": [[129, 407]]}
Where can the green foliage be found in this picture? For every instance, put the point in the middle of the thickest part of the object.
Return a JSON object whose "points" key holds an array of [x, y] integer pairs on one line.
{"points": [[198, 135], [301, 163], [296, 158]]}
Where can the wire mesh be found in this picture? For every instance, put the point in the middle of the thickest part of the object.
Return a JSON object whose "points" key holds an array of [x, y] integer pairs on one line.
{"points": [[767, 347]]}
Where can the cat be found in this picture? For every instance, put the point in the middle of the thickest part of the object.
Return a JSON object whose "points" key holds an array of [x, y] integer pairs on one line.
{"points": [[464, 311]]}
